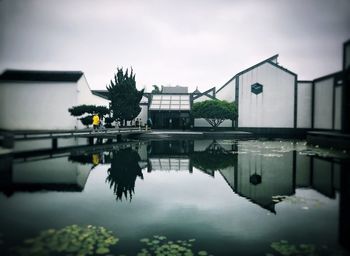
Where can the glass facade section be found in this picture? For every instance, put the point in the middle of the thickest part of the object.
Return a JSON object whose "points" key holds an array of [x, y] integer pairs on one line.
{"points": [[170, 102]]}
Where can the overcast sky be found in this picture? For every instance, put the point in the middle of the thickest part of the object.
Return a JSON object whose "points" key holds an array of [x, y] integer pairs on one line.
{"points": [[181, 42]]}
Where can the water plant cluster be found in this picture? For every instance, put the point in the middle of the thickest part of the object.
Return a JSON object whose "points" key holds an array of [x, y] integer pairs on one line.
{"points": [[70, 240], [77, 240], [285, 248], [161, 246]]}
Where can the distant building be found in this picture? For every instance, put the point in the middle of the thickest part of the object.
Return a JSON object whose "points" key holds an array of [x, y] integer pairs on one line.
{"points": [[174, 89], [41, 99]]}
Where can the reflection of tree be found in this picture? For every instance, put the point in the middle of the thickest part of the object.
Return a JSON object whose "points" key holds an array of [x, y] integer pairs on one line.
{"points": [[123, 172], [94, 158], [213, 158]]}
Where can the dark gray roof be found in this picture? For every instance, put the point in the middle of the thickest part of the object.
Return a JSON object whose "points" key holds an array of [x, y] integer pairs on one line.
{"points": [[174, 89], [101, 93], [196, 91], [39, 75]]}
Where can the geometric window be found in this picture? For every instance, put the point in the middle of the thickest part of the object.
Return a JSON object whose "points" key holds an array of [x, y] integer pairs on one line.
{"points": [[170, 102], [257, 88]]}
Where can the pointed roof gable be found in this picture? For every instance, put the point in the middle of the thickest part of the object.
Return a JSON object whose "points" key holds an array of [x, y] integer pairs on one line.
{"points": [[272, 60]]}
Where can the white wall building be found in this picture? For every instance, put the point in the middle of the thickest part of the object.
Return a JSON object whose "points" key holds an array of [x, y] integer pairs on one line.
{"points": [[265, 95], [40, 100]]}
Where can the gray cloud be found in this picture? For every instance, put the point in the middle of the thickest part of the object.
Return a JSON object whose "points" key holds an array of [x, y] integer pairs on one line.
{"points": [[192, 43]]}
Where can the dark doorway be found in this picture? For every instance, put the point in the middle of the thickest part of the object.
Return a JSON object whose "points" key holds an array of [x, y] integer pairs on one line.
{"points": [[170, 119]]}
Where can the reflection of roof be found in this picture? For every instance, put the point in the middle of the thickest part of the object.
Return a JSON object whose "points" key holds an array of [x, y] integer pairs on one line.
{"points": [[43, 76], [170, 102], [10, 189], [170, 164]]}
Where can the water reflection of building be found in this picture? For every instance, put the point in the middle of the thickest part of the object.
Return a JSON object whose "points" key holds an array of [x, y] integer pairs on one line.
{"points": [[320, 174], [280, 173], [259, 177], [33, 174], [169, 156]]}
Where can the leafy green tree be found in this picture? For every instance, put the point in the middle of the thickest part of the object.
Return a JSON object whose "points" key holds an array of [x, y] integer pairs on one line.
{"points": [[214, 111], [81, 110], [124, 96]]}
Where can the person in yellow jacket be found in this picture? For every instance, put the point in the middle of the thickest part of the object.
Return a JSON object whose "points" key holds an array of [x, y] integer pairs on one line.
{"points": [[95, 121]]}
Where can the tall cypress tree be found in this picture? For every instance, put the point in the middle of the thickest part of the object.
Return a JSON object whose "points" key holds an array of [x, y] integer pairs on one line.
{"points": [[124, 96]]}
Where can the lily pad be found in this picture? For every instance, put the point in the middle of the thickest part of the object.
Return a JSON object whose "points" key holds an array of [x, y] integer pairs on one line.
{"points": [[102, 250], [160, 246], [74, 239]]}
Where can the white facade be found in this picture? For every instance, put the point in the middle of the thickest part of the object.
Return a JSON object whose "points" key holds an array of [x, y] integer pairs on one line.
{"points": [[143, 115], [42, 105], [86, 97], [37, 105], [274, 107]]}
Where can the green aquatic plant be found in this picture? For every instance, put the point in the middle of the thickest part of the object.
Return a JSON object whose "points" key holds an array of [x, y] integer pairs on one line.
{"points": [[285, 248], [161, 246], [70, 240]]}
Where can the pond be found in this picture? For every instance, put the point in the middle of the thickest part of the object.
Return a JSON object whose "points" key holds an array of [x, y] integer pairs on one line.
{"points": [[201, 197]]}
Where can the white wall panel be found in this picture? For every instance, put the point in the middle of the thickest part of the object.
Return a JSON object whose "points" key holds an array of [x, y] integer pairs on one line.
{"points": [[37, 105], [143, 115], [274, 107], [323, 106], [228, 92], [85, 95], [304, 105]]}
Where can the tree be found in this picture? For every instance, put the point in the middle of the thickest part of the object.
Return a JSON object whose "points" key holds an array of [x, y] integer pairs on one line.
{"points": [[124, 96], [81, 110], [214, 111], [156, 89]]}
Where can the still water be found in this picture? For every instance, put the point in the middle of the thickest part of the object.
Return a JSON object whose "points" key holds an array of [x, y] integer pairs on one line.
{"points": [[203, 197]]}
